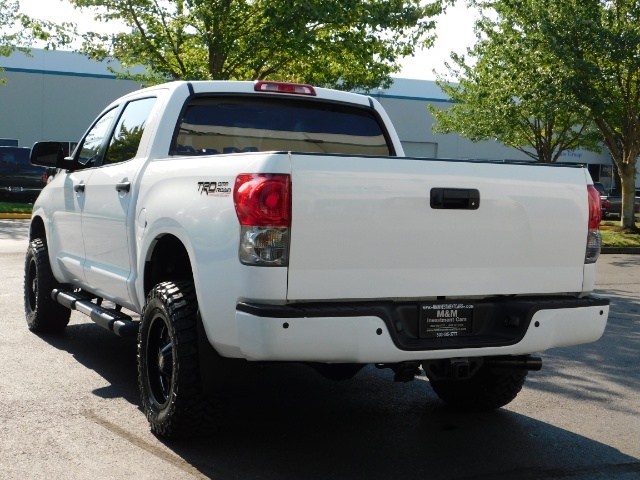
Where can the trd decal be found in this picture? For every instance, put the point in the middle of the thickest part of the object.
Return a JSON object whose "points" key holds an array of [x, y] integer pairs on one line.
{"points": [[214, 189]]}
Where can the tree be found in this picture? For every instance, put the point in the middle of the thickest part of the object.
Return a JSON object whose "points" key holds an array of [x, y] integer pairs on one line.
{"points": [[594, 45], [346, 44], [8, 12], [18, 31], [510, 92]]}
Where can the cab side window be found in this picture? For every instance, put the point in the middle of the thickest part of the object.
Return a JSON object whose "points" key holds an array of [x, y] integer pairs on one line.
{"points": [[91, 150], [128, 132]]}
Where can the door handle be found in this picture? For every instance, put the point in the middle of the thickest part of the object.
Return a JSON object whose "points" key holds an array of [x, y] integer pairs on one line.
{"points": [[123, 186], [79, 188], [455, 198]]}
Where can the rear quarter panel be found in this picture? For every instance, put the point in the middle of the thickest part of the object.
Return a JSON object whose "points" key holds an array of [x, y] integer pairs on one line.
{"points": [[172, 201]]}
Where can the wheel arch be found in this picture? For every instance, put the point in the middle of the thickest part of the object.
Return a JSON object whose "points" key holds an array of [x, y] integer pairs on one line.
{"points": [[37, 228], [167, 260]]}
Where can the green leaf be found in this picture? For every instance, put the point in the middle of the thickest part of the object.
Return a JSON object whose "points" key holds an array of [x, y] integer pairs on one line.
{"points": [[508, 89], [351, 44]]}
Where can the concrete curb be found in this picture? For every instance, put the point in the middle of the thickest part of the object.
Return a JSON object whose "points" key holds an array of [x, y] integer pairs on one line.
{"points": [[629, 250], [15, 216]]}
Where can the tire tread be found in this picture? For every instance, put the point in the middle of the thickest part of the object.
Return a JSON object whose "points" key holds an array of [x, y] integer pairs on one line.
{"points": [[487, 390], [48, 315], [189, 412]]}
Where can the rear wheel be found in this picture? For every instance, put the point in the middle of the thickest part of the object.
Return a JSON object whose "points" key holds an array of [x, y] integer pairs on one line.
{"points": [[487, 390], [43, 314], [168, 362]]}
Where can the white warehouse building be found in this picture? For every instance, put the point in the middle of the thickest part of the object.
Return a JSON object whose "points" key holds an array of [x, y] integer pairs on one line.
{"points": [[54, 95]]}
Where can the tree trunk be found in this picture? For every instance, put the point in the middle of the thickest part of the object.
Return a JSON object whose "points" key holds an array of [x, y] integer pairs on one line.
{"points": [[628, 181]]}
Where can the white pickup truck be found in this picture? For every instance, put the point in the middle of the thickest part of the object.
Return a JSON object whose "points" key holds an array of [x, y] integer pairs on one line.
{"points": [[222, 222]]}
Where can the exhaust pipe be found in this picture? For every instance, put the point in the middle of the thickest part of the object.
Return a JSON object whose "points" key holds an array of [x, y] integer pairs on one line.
{"points": [[464, 368]]}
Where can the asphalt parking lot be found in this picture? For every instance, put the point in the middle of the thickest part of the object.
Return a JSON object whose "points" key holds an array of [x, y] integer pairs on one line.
{"points": [[69, 408]]}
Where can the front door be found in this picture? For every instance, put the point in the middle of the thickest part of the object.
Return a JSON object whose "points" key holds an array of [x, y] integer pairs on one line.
{"points": [[66, 243]]}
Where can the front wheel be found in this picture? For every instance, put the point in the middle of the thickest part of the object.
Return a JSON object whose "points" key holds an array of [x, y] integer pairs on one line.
{"points": [[168, 362], [486, 390], [43, 314]]}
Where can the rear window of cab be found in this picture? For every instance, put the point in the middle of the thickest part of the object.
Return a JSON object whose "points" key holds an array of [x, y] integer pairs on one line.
{"points": [[215, 125], [14, 156]]}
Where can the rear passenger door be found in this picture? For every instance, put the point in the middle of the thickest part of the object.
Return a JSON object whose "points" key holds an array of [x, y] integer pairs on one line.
{"points": [[108, 209]]}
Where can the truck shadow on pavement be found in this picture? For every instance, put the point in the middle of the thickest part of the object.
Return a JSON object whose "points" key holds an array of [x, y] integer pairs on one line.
{"points": [[288, 422], [112, 357], [292, 424]]}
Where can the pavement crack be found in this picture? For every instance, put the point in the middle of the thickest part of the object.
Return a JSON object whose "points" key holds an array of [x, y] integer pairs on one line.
{"points": [[144, 445]]}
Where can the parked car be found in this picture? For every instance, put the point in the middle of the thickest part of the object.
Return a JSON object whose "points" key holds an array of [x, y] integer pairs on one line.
{"points": [[612, 205], [19, 179], [600, 188]]}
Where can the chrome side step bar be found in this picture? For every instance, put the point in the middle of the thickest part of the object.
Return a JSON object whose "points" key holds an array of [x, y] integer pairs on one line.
{"points": [[111, 319]]}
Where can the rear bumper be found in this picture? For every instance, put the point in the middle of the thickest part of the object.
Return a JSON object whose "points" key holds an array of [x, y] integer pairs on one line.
{"points": [[388, 332], [17, 192]]}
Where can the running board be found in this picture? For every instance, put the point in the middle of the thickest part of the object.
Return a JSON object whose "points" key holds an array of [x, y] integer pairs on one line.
{"points": [[113, 320]]}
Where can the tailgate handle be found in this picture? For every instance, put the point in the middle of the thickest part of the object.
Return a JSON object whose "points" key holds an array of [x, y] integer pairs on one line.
{"points": [[455, 198]]}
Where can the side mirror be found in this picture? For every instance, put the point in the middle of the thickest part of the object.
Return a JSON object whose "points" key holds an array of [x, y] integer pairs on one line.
{"points": [[49, 154]]}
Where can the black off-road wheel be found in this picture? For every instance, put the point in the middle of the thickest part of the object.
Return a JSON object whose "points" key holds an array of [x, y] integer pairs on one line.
{"points": [[43, 314], [486, 390], [169, 376]]}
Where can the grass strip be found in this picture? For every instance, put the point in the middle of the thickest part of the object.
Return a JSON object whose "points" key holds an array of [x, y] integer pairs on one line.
{"points": [[10, 207], [615, 236]]}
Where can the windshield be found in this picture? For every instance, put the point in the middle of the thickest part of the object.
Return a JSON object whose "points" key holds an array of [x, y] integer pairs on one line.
{"points": [[215, 125]]}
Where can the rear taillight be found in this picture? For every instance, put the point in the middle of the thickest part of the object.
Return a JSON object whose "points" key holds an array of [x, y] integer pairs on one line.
{"points": [[263, 207], [594, 240], [44, 176]]}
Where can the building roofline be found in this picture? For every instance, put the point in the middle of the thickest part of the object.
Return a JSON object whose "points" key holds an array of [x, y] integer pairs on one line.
{"points": [[56, 72], [73, 64]]}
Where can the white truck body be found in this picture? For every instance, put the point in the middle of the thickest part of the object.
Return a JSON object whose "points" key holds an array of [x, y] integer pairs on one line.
{"points": [[369, 253]]}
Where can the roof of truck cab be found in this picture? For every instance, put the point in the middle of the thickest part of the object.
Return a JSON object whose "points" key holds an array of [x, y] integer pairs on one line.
{"points": [[248, 87]]}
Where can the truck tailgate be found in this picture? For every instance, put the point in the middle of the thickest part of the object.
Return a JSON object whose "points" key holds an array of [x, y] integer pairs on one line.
{"points": [[365, 228]]}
